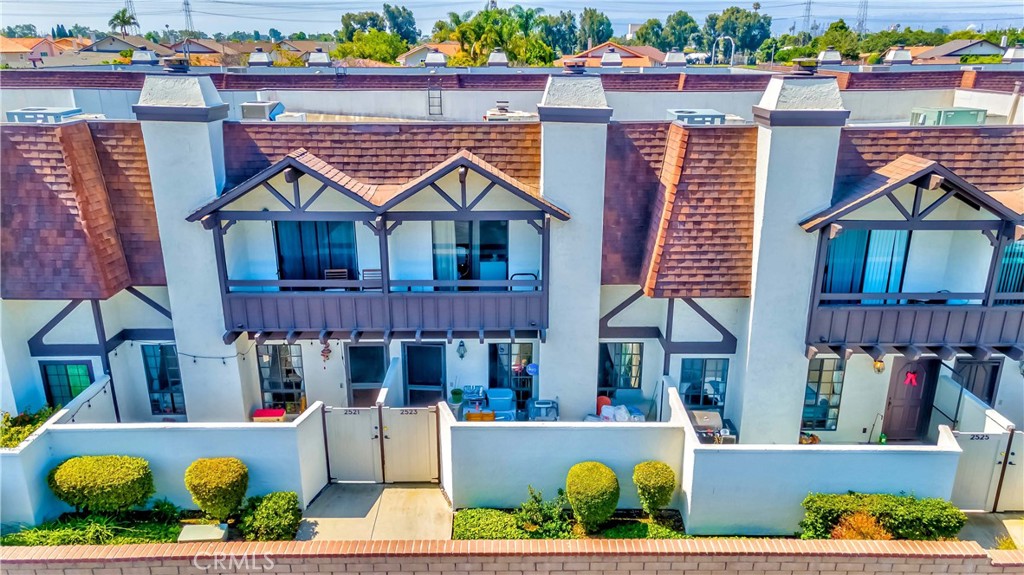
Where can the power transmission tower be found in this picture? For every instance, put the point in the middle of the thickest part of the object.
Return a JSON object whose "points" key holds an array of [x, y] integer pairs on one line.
{"points": [[862, 17], [807, 16], [129, 5], [186, 7]]}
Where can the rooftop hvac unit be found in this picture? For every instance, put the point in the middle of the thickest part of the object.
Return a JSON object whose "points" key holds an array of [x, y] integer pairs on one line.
{"points": [[291, 117], [899, 56], [947, 116], [147, 57], [874, 68], [42, 115], [675, 59], [267, 111], [435, 59], [829, 57], [318, 58], [611, 59], [260, 58], [1015, 54], [497, 58], [697, 117]]}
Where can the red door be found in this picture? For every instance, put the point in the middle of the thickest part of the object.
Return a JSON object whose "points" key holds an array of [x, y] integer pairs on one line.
{"points": [[908, 408]]}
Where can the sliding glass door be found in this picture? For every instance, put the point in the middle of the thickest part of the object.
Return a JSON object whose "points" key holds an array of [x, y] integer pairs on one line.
{"points": [[866, 261], [307, 250], [470, 251]]}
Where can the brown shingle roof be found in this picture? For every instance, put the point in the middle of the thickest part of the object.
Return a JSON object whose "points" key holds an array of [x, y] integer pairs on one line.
{"points": [[64, 233], [634, 155], [383, 153], [989, 157], [699, 242]]}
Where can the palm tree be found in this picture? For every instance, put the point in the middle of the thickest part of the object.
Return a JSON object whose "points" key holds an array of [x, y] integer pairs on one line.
{"points": [[123, 19]]}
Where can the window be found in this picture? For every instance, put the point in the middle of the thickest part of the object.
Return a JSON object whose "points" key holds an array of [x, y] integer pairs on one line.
{"points": [[619, 367], [470, 251], [281, 377], [367, 366], [1011, 272], [424, 373], [166, 395], [306, 250], [978, 377], [866, 261], [702, 383], [821, 398], [63, 381], [507, 368]]}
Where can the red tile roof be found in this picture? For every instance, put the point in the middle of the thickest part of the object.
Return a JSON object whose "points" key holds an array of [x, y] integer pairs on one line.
{"points": [[64, 232], [701, 232]]}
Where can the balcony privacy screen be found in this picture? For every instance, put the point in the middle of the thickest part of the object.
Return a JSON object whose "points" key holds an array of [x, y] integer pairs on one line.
{"points": [[307, 249], [1011, 272]]}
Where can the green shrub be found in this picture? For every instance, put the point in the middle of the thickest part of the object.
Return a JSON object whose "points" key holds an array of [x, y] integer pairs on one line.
{"points": [[860, 526], [217, 485], [904, 516], [164, 510], [15, 428], [655, 483], [272, 517], [486, 524], [103, 483], [593, 492], [541, 519]]}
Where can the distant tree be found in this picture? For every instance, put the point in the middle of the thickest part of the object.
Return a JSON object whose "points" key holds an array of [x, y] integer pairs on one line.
{"points": [[122, 20], [79, 30], [444, 30], [679, 28], [595, 28], [256, 35], [152, 36], [650, 33], [53, 33], [842, 38], [220, 36], [353, 22], [559, 32], [275, 35], [527, 18], [62, 32], [747, 29], [401, 22], [372, 44], [298, 36], [21, 31]]}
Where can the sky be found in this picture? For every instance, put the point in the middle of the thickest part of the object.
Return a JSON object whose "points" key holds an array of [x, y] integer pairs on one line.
{"points": [[324, 16]]}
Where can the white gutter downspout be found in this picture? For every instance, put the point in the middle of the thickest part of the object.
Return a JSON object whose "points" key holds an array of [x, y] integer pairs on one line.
{"points": [[1014, 102]]}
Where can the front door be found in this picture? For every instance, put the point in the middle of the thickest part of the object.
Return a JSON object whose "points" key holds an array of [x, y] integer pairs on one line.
{"points": [[424, 374], [911, 391]]}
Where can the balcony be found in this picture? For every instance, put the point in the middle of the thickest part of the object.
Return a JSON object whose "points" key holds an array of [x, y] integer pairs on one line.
{"points": [[361, 308]]}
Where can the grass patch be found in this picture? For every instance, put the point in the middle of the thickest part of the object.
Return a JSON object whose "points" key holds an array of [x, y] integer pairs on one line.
{"points": [[486, 524], [95, 530], [14, 429], [641, 529]]}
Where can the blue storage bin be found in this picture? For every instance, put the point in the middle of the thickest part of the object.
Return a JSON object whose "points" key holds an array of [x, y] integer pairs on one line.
{"points": [[501, 399]]}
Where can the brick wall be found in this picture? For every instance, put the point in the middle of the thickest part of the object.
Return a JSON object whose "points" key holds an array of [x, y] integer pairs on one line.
{"points": [[707, 556]]}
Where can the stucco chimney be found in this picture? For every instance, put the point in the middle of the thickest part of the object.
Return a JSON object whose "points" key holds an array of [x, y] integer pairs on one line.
{"points": [[799, 122], [574, 117], [183, 126]]}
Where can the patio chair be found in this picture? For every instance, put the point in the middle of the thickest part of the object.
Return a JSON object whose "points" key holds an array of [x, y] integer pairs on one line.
{"points": [[336, 274], [373, 275]]}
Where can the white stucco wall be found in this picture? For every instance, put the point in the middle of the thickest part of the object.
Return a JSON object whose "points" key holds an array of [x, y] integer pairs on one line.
{"points": [[493, 464], [868, 106], [723, 484], [998, 105], [213, 390], [1009, 399], [789, 187]]}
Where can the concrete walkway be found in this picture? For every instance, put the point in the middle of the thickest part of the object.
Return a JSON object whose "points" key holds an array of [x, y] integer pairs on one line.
{"points": [[985, 527], [350, 511]]}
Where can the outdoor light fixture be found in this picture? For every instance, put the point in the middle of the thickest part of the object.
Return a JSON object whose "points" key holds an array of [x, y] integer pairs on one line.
{"points": [[879, 366], [461, 350]]}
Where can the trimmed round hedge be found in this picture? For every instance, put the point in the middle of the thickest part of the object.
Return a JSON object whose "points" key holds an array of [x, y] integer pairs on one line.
{"points": [[272, 517], [593, 492], [217, 485], [102, 483], [655, 482]]}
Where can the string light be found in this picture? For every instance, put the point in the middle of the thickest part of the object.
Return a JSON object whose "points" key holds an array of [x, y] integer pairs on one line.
{"points": [[195, 357]]}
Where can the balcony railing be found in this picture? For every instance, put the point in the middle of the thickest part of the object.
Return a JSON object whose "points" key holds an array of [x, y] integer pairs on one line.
{"points": [[409, 306]]}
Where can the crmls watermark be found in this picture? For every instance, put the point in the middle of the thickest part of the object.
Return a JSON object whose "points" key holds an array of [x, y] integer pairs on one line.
{"points": [[232, 562]]}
